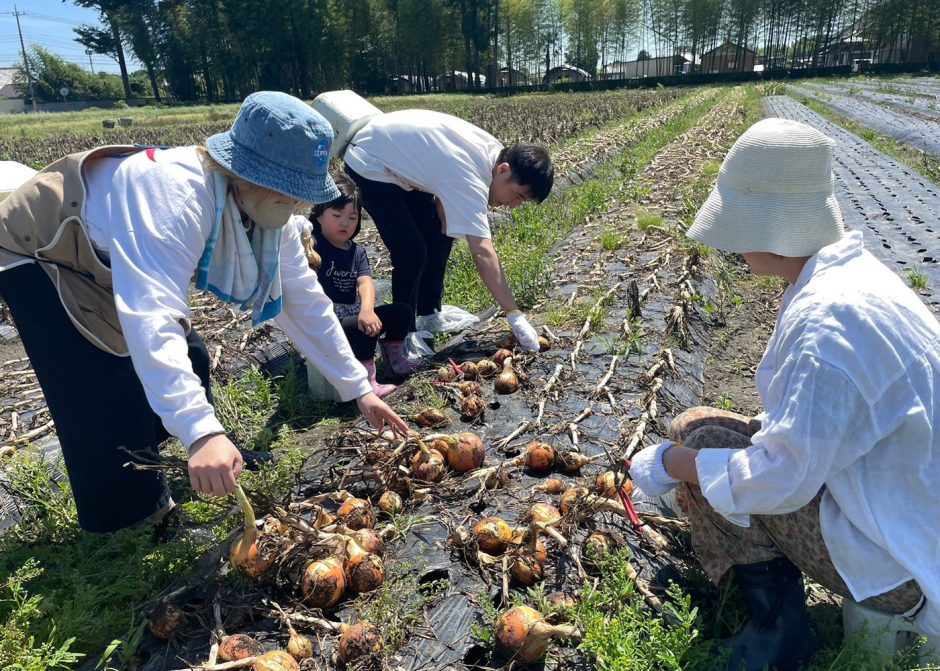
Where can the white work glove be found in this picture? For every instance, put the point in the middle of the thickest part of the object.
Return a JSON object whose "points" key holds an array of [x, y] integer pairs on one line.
{"points": [[523, 331], [648, 472]]}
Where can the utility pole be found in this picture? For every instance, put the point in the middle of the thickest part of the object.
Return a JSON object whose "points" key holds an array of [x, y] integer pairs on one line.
{"points": [[89, 52], [29, 77]]}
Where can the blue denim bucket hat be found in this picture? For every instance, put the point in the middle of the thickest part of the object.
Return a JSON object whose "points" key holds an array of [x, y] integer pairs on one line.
{"points": [[280, 143]]}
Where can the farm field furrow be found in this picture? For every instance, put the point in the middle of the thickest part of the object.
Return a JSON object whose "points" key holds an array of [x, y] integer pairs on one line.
{"points": [[918, 133], [916, 105], [895, 207]]}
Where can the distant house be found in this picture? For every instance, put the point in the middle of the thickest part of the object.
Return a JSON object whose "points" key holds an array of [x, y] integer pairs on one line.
{"points": [[7, 88], [566, 73], [512, 78], [457, 80], [728, 57], [665, 66]]}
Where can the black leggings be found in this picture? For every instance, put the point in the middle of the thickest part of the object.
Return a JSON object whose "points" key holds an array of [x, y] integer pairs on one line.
{"points": [[409, 226], [396, 319], [97, 403]]}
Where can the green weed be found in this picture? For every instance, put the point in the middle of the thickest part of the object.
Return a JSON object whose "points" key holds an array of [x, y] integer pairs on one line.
{"points": [[645, 220], [611, 241], [917, 279]]}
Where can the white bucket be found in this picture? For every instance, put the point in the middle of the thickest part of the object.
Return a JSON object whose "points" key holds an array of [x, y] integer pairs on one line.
{"points": [[320, 388], [347, 113], [887, 633]]}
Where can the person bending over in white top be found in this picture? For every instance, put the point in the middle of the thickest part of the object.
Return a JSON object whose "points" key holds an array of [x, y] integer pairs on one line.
{"points": [[113, 348], [426, 179], [838, 477]]}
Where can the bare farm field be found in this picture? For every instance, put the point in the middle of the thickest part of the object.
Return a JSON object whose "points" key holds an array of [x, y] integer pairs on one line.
{"points": [[640, 323]]}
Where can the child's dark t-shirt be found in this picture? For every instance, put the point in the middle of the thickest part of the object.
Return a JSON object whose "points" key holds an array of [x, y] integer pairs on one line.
{"points": [[340, 269]]}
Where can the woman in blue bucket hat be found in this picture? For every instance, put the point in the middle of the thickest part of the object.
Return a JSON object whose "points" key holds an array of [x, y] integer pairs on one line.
{"points": [[97, 254]]}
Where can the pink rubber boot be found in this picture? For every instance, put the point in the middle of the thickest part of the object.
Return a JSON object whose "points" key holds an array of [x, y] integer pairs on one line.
{"points": [[381, 390], [394, 355]]}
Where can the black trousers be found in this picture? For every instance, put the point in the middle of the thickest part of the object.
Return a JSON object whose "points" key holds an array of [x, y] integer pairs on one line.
{"points": [[97, 403], [396, 319], [409, 226]]}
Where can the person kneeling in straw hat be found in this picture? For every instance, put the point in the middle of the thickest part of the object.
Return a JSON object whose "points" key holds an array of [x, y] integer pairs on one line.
{"points": [[838, 477], [97, 253]]}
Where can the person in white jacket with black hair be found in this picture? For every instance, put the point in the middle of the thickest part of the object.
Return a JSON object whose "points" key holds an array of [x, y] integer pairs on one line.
{"points": [[124, 370], [838, 477]]}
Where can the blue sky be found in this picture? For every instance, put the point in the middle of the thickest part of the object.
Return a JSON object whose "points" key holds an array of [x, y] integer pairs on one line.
{"points": [[49, 24]]}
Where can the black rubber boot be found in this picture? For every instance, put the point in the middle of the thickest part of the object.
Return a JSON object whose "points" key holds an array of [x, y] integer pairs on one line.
{"points": [[778, 635]]}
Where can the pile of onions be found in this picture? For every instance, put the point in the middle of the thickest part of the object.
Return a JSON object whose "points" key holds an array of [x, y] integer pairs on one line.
{"points": [[356, 513], [365, 571], [276, 660], [427, 464], [539, 456], [606, 484], [359, 641], [429, 418], [523, 635], [323, 583], [492, 535], [390, 503], [244, 554], [165, 620], [507, 382], [238, 646]]}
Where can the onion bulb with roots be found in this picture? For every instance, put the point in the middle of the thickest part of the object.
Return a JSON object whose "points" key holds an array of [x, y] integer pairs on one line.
{"points": [[365, 571], [500, 356], [390, 503], [550, 486], [522, 634], [428, 464], [492, 534], [569, 461], [472, 406], [165, 620], [356, 513], [539, 456], [238, 646], [572, 498], [446, 374], [606, 485], [276, 660], [542, 512], [429, 418], [244, 554], [323, 583], [508, 381], [359, 642], [487, 368]]}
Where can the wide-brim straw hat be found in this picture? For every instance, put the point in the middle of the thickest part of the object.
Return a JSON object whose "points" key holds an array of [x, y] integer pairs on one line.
{"points": [[280, 143], [774, 193]]}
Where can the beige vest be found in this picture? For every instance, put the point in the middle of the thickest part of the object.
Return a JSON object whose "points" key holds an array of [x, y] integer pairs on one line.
{"points": [[41, 220]]}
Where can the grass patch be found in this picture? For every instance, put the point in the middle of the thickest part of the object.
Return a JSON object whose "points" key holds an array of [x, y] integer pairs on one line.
{"points": [[917, 279], [645, 220], [611, 241]]}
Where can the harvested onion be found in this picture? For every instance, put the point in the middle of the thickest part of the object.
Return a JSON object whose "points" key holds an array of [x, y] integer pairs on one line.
{"points": [[522, 634], [446, 374], [359, 641], [298, 646], [529, 564], [487, 368], [244, 554], [165, 620], [606, 484], [572, 498], [368, 540], [542, 512], [356, 513], [429, 417], [472, 406], [390, 503], [427, 464], [597, 546], [550, 486], [323, 583], [464, 451], [539, 456], [276, 660], [365, 571], [238, 646], [469, 370], [508, 381], [500, 356], [492, 534]]}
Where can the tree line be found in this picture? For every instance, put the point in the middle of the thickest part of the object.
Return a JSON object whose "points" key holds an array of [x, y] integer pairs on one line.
{"points": [[221, 50]]}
